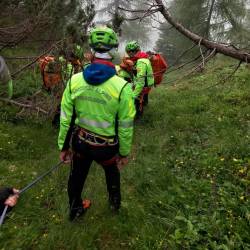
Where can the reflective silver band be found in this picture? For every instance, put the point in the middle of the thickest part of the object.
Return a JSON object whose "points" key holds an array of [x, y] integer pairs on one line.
{"points": [[94, 123], [126, 124], [92, 99], [63, 114]]}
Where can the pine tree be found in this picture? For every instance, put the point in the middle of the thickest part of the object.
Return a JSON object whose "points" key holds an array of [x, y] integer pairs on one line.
{"points": [[44, 19], [219, 20]]}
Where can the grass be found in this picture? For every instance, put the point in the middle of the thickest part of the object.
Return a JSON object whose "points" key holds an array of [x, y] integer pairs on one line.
{"points": [[186, 186]]}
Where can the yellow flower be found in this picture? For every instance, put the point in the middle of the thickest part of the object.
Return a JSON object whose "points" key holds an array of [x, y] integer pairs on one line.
{"points": [[242, 171], [234, 159], [242, 198], [222, 159]]}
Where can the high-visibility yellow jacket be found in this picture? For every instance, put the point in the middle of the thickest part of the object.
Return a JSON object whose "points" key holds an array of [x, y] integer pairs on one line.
{"points": [[123, 73], [144, 75], [101, 100]]}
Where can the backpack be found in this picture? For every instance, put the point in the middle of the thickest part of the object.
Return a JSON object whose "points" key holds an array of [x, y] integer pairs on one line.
{"points": [[159, 66], [51, 71]]}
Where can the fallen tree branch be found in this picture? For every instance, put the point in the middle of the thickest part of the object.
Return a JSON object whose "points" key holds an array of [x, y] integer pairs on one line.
{"points": [[20, 58], [34, 61], [219, 47], [206, 59], [183, 53], [183, 65], [23, 105], [226, 78]]}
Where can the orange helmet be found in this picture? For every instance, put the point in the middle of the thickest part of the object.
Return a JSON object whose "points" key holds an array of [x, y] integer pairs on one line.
{"points": [[127, 64]]}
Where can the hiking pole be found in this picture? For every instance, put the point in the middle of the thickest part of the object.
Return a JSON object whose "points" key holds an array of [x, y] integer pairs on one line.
{"points": [[40, 177], [3, 215], [29, 186]]}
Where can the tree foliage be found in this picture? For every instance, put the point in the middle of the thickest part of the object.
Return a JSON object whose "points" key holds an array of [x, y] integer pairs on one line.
{"points": [[218, 20], [47, 19]]}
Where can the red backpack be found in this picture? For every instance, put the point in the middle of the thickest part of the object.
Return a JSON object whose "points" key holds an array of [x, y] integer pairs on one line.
{"points": [[159, 66]]}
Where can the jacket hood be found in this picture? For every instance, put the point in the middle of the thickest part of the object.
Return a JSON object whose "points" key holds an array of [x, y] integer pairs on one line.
{"points": [[139, 55], [97, 73]]}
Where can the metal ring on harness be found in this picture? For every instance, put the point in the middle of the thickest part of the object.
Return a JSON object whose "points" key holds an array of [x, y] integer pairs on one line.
{"points": [[95, 140]]}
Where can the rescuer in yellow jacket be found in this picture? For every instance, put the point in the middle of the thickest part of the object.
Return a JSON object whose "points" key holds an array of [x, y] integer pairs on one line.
{"points": [[100, 105], [143, 80]]}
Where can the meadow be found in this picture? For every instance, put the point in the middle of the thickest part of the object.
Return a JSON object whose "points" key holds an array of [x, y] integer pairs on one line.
{"points": [[186, 185]]}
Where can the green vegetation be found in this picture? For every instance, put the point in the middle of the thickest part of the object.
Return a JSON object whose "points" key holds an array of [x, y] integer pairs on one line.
{"points": [[186, 187]]}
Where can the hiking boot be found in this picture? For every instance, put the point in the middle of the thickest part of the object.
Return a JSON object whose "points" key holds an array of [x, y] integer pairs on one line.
{"points": [[114, 204], [77, 212]]}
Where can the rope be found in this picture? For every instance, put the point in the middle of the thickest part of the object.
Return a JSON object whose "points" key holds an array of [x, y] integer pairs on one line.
{"points": [[29, 186]]}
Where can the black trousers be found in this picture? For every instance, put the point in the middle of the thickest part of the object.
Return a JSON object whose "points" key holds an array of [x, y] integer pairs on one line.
{"points": [[84, 154]]}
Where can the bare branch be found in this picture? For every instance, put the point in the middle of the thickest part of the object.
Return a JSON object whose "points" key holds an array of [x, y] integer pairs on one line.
{"points": [[183, 53], [35, 60], [23, 105], [225, 79], [206, 59], [203, 59]]}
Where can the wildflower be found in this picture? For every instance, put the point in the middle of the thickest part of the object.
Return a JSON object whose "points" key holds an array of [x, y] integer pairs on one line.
{"points": [[242, 197], [235, 160], [242, 170], [222, 158]]}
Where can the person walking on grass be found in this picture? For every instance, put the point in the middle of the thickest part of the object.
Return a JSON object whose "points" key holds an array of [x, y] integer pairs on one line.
{"points": [[144, 79], [100, 105]]}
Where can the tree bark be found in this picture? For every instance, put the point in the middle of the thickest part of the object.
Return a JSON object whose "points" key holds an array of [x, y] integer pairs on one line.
{"points": [[220, 48]]}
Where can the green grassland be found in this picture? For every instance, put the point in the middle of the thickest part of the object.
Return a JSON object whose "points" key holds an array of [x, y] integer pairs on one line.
{"points": [[186, 186]]}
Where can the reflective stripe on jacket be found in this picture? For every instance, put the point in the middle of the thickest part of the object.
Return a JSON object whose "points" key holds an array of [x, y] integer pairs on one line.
{"points": [[96, 109], [144, 76]]}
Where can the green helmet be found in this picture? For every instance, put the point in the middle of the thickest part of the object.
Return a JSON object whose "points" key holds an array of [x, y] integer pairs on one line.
{"points": [[132, 46], [103, 39]]}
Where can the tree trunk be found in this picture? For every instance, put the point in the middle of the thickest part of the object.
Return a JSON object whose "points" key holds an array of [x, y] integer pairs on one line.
{"points": [[219, 47], [207, 33]]}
